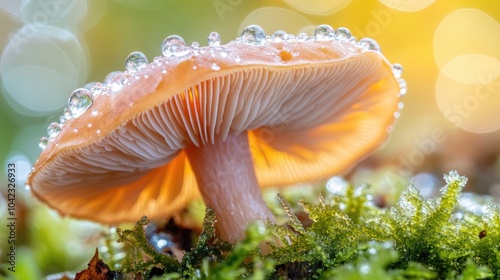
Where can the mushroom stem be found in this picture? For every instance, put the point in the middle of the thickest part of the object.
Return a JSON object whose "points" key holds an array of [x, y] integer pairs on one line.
{"points": [[226, 179]]}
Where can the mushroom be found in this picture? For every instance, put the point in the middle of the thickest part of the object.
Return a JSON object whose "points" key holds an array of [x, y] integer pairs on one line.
{"points": [[223, 120]]}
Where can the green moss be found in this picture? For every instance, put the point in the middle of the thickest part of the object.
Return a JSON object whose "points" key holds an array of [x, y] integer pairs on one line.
{"points": [[142, 257], [349, 238]]}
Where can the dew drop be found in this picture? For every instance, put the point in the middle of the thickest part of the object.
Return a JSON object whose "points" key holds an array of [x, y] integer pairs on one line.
{"points": [[97, 89], [65, 116], [174, 45], [453, 176], [253, 35], [369, 44], [403, 87], [302, 37], [43, 142], [397, 70], [62, 120], [67, 113], [237, 59], [98, 131], [215, 67], [118, 81], [89, 125], [324, 32], [162, 242], [110, 76], [195, 67], [396, 115], [53, 129], [135, 62], [213, 39], [89, 85], [157, 60], [279, 36], [95, 112], [337, 185], [343, 34], [79, 101], [195, 45], [290, 38], [401, 105]]}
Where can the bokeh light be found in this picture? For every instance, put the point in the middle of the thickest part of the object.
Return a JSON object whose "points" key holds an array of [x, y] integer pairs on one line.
{"points": [[22, 163], [318, 7], [466, 31], [40, 66], [274, 18], [53, 13], [407, 5], [468, 92]]}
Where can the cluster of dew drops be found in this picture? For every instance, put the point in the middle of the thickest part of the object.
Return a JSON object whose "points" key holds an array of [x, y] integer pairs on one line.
{"points": [[174, 46]]}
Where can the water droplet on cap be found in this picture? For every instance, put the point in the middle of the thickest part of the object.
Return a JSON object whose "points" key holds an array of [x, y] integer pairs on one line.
{"points": [[117, 81], [253, 35], [89, 85], [97, 89], [135, 62], [195, 45], [403, 88], [65, 116], [397, 70], [215, 66], [174, 45], [302, 37], [279, 36], [369, 44], [43, 142], [213, 39], [324, 32], [343, 34], [62, 120], [290, 38], [157, 60], [53, 129], [79, 101]]}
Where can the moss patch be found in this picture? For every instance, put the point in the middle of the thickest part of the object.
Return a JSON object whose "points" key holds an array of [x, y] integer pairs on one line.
{"points": [[346, 236]]}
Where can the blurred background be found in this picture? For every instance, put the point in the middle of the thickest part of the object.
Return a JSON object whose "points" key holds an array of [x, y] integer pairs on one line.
{"points": [[449, 50]]}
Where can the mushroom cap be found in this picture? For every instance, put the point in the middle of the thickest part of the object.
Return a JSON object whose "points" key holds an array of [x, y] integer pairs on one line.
{"points": [[311, 108]]}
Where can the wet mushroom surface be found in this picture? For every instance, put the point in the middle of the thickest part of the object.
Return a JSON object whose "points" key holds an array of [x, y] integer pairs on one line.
{"points": [[220, 121]]}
